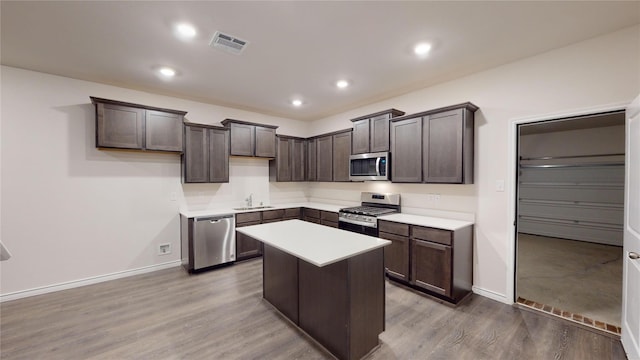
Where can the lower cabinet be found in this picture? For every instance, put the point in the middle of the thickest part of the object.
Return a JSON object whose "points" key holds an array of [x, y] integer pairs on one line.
{"points": [[435, 261], [327, 218], [396, 255], [431, 266], [246, 246]]}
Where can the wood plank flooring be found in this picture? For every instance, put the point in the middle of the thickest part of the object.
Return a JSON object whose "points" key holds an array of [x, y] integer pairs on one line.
{"points": [[220, 314]]}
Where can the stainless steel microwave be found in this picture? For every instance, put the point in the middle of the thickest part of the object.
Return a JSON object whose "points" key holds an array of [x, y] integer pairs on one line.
{"points": [[372, 166]]}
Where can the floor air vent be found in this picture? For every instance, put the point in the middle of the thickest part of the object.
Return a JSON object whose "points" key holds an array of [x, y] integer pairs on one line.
{"points": [[228, 43]]}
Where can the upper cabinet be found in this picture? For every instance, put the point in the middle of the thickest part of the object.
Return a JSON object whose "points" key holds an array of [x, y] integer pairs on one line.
{"points": [[371, 132], [250, 139], [124, 125], [341, 152], [206, 154], [289, 164], [324, 162], [312, 160], [434, 146], [448, 146], [406, 150]]}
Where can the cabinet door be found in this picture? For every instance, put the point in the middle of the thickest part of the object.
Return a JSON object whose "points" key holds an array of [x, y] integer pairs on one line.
{"points": [[242, 139], [341, 152], [406, 150], [442, 156], [396, 256], [163, 131], [312, 159], [283, 160], [265, 142], [431, 266], [196, 155], [298, 156], [246, 246], [119, 127], [380, 133], [218, 155], [325, 158], [361, 137]]}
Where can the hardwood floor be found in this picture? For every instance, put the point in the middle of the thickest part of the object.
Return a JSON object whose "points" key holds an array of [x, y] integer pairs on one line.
{"points": [[221, 315]]}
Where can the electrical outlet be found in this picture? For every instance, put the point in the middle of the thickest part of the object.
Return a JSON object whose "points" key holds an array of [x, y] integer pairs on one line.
{"points": [[164, 249]]}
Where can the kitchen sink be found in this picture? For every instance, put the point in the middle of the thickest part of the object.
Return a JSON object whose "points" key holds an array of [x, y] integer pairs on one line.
{"points": [[253, 207]]}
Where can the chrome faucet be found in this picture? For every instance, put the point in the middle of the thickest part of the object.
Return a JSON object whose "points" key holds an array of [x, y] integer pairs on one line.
{"points": [[249, 200]]}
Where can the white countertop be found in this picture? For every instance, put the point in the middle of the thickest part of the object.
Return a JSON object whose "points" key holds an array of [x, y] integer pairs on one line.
{"points": [[428, 221], [221, 211], [317, 244]]}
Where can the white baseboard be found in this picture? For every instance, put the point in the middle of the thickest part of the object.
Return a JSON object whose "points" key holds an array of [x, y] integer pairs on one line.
{"points": [[491, 295], [88, 281]]}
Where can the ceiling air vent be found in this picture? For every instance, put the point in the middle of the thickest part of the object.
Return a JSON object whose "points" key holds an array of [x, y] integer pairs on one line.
{"points": [[228, 43]]}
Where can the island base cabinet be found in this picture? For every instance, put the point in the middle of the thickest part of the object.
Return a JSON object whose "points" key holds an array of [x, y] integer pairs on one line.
{"points": [[280, 281], [342, 305]]}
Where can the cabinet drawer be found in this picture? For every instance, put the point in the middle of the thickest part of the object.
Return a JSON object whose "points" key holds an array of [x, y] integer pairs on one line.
{"points": [[272, 214], [393, 228], [429, 234], [312, 213], [329, 216], [333, 224], [247, 217], [292, 213], [248, 223], [312, 219]]}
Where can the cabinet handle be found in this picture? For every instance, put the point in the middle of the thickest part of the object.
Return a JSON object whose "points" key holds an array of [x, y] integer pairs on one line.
{"points": [[634, 255]]}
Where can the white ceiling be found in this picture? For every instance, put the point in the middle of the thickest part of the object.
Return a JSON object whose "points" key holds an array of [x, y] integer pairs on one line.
{"points": [[295, 48]]}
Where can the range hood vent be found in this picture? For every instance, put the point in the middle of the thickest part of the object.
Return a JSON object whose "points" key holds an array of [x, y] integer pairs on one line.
{"points": [[228, 43]]}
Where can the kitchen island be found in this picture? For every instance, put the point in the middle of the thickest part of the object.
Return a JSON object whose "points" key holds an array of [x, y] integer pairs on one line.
{"points": [[328, 282]]}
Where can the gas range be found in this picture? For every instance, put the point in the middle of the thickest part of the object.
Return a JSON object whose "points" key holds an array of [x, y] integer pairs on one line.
{"points": [[363, 219]]}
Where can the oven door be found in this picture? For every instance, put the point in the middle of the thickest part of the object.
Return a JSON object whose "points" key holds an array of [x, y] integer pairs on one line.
{"points": [[360, 229]]}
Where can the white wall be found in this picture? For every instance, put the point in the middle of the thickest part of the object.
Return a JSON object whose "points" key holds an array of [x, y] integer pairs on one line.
{"points": [[72, 212], [589, 74]]}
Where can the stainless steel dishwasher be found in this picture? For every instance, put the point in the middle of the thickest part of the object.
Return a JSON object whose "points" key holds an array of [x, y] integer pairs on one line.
{"points": [[208, 241]]}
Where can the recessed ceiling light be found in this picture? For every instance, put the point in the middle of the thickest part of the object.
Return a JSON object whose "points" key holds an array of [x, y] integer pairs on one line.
{"points": [[342, 84], [167, 72], [296, 102], [422, 49], [185, 31]]}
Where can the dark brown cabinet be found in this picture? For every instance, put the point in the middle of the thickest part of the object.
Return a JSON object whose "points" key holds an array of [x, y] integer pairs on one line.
{"points": [[396, 255], [435, 261], [280, 215], [448, 147], [327, 218], [406, 150], [289, 164], [434, 146], [206, 155], [371, 132], [137, 127], [246, 246], [324, 150], [250, 139], [341, 153], [311, 161]]}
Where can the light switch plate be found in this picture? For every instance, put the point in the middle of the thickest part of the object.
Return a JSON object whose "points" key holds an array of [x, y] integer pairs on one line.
{"points": [[500, 185]]}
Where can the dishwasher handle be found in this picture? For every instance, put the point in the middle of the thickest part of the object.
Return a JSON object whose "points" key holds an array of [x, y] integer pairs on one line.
{"points": [[214, 219]]}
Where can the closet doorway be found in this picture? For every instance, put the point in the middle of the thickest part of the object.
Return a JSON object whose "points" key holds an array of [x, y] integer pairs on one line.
{"points": [[570, 208]]}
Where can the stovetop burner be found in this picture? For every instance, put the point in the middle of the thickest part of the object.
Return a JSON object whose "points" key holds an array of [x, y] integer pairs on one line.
{"points": [[363, 219], [369, 210]]}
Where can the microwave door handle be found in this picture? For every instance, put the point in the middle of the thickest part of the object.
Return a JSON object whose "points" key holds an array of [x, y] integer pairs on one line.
{"points": [[378, 166]]}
